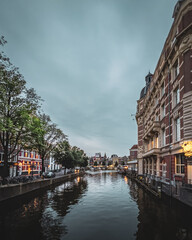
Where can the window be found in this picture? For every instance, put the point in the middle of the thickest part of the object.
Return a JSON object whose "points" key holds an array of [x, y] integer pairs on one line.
{"points": [[177, 129], [163, 137], [156, 142], [156, 101], [179, 164], [157, 117], [162, 90], [176, 96], [152, 143], [176, 69], [163, 111]]}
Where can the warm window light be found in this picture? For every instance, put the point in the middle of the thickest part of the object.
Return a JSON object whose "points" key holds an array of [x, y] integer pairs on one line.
{"points": [[187, 148]]}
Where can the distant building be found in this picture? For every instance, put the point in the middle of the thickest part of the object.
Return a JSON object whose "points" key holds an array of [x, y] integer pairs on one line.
{"points": [[114, 159], [98, 159], [133, 152], [133, 161], [29, 163]]}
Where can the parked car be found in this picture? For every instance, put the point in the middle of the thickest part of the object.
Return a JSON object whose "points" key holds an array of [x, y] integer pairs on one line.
{"points": [[51, 175], [48, 174]]}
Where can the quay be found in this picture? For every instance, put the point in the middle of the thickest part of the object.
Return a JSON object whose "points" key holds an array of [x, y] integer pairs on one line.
{"points": [[11, 191], [144, 185], [182, 193]]}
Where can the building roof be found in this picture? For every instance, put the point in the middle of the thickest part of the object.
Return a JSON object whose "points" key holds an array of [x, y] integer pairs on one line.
{"points": [[134, 147]]}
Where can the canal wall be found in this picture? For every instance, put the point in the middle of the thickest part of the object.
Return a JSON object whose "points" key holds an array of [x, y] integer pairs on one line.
{"points": [[181, 193], [15, 190]]}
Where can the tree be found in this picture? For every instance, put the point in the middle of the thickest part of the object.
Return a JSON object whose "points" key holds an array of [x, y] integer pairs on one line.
{"points": [[95, 163], [63, 155], [103, 163], [110, 163], [80, 157], [17, 105], [46, 136], [116, 164]]}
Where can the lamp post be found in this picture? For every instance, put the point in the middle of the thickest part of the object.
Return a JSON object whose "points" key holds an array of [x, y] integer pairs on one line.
{"points": [[187, 148]]}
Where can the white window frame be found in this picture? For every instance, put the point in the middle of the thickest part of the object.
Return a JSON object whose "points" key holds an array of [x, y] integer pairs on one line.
{"points": [[163, 137], [162, 110], [177, 130], [179, 164]]}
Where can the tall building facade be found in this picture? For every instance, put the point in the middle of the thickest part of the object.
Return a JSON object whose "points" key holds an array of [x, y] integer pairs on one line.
{"points": [[164, 110]]}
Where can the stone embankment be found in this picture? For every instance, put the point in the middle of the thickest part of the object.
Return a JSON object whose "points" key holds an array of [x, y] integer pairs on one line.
{"points": [[14, 190], [182, 193]]}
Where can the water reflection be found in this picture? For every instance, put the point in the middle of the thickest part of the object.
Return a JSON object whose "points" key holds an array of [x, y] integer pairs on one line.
{"points": [[160, 220], [98, 206], [42, 217]]}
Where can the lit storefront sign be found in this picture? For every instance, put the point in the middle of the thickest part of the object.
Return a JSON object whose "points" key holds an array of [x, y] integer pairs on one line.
{"points": [[187, 148]]}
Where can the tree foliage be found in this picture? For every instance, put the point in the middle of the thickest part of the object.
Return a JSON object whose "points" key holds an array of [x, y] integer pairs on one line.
{"points": [[17, 105], [23, 126], [69, 156], [46, 136]]}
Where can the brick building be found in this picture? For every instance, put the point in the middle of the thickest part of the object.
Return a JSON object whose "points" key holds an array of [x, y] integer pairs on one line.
{"points": [[29, 163], [164, 110], [133, 152]]}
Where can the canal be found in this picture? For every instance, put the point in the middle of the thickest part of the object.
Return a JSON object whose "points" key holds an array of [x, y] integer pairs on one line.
{"points": [[96, 206]]}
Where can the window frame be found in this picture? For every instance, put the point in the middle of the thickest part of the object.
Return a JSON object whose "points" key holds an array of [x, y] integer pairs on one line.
{"points": [[179, 164], [177, 129]]}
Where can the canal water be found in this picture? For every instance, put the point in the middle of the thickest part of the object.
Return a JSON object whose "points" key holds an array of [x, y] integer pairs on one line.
{"points": [[97, 206]]}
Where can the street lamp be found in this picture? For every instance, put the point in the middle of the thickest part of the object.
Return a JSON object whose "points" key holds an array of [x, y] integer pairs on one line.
{"points": [[187, 148]]}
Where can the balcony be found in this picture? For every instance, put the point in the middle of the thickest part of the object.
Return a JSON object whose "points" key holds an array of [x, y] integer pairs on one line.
{"points": [[153, 151], [154, 128]]}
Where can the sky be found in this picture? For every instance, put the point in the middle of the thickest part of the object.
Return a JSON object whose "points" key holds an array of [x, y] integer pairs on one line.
{"points": [[88, 60]]}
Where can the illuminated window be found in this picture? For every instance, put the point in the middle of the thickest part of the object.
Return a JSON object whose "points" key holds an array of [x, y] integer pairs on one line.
{"points": [[156, 142], [179, 164]]}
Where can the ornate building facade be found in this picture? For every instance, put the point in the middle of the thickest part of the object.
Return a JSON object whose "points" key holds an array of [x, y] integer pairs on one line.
{"points": [[164, 110]]}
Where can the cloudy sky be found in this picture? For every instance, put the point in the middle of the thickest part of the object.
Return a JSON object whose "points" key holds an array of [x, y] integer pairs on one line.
{"points": [[88, 60]]}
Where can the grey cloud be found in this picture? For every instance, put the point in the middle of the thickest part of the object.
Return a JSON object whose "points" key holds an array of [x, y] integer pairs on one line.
{"points": [[88, 59]]}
